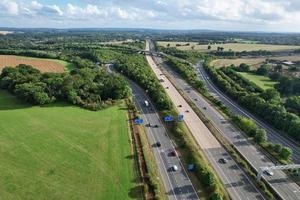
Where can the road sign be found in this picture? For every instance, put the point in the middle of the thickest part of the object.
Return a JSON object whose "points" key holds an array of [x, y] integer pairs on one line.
{"points": [[168, 118], [138, 121], [180, 118]]}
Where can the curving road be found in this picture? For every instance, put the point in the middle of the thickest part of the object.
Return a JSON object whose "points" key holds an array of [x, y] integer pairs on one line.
{"points": [[234, 179], [273, 135], [279, 181]]}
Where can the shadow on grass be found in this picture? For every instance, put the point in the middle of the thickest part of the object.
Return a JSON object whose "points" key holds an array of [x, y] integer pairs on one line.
{"points": [[136, 192], [129, 157], [10, 102]]}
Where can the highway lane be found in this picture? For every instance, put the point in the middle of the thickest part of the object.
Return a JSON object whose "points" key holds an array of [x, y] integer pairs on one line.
{"points": [[234, 179], [177, 183], [273, 135], [279, 181]]}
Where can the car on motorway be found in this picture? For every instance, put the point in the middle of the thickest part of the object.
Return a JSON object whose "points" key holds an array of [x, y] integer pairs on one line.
{"points": [[222, 161], [146, 103], [174, 168], [173, 153], [158, 144], [269, 172]]}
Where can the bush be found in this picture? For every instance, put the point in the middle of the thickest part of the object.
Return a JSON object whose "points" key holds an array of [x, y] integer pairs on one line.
{"points": [[286, 153]]}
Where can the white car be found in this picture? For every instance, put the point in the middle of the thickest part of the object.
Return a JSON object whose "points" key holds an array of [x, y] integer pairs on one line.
{"points": [[174, 168]]}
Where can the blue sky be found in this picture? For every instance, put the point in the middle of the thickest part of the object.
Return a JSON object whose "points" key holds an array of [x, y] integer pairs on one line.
{"points": [[243, 15]]}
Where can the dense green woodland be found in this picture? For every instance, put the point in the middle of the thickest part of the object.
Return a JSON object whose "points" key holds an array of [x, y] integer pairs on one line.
{"points": [[89, 88]]}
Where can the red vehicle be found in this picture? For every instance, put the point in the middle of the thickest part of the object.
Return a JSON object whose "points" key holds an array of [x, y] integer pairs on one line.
{"points": [[173, 153]]}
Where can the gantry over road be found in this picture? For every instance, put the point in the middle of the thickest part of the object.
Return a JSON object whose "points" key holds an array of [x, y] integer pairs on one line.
{"points": [[177, 184], [235, 180]]}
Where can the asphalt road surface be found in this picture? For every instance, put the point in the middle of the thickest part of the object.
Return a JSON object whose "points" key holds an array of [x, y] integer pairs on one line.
{"points": [[177, 183], [234, 179], [279, 181], [273, 135]]}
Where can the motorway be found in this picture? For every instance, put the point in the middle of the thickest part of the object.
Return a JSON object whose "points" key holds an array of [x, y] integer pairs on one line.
{"points": [[177, 183], [279, 181], [273, 135], [234, 179]]}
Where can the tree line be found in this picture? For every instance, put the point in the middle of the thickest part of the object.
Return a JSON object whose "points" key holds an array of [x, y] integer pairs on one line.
{"points": [[267, 105], [187, 72], [86, 87]]}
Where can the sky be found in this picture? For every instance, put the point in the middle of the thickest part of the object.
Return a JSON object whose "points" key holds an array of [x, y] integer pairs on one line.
{"points": [[228, 15]]}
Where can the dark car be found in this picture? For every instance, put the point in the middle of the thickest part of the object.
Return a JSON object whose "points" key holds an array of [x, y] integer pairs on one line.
{"points": [[222, 161], [158, 144], [173, 153]]}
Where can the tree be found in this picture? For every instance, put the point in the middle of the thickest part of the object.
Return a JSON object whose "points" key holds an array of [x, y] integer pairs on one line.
{"points": [[285, 85], [293, 103], [277, 148], [209, 47], [275, 76], [260, 136], [243, 67], [263, 70], [278, 68], [286, 153], [271, 94]]}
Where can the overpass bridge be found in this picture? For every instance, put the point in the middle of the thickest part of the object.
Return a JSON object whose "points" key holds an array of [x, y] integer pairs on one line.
{"points": [[158, 54]]}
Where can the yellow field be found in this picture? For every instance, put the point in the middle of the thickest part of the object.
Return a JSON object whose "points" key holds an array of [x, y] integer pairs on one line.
{"points": [[230, 46], [253, 62], [6, 32]]}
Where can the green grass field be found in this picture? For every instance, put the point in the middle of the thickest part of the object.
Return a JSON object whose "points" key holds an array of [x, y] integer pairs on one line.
{"points": [[262, 81], [64, 152], [253, 62], [229, 46]]}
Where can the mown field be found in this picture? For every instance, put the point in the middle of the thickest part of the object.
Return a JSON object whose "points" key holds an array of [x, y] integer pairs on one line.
{"points": [[44, 65], [253, 62], [64, 152], [262, 81], [233, 46]]}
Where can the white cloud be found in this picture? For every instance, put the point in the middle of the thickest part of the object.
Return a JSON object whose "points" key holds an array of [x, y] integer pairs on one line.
{"points": [[9, 7], [213, 14]]}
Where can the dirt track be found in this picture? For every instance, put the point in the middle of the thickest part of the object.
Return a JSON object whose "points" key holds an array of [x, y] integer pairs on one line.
{"points": [[44, 65]]}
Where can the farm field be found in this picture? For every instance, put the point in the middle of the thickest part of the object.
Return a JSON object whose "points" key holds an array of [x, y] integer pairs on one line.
{"points": [[44, 65], [64, 152], [262, 81], [253, 62], [6, 32], [233, 46]]}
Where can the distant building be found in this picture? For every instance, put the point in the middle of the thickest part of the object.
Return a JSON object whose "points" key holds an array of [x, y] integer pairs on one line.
{"points": [[288, 63]]}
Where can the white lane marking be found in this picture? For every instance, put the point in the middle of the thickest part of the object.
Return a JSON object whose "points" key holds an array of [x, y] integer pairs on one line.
{"points": [[225, 150]]}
